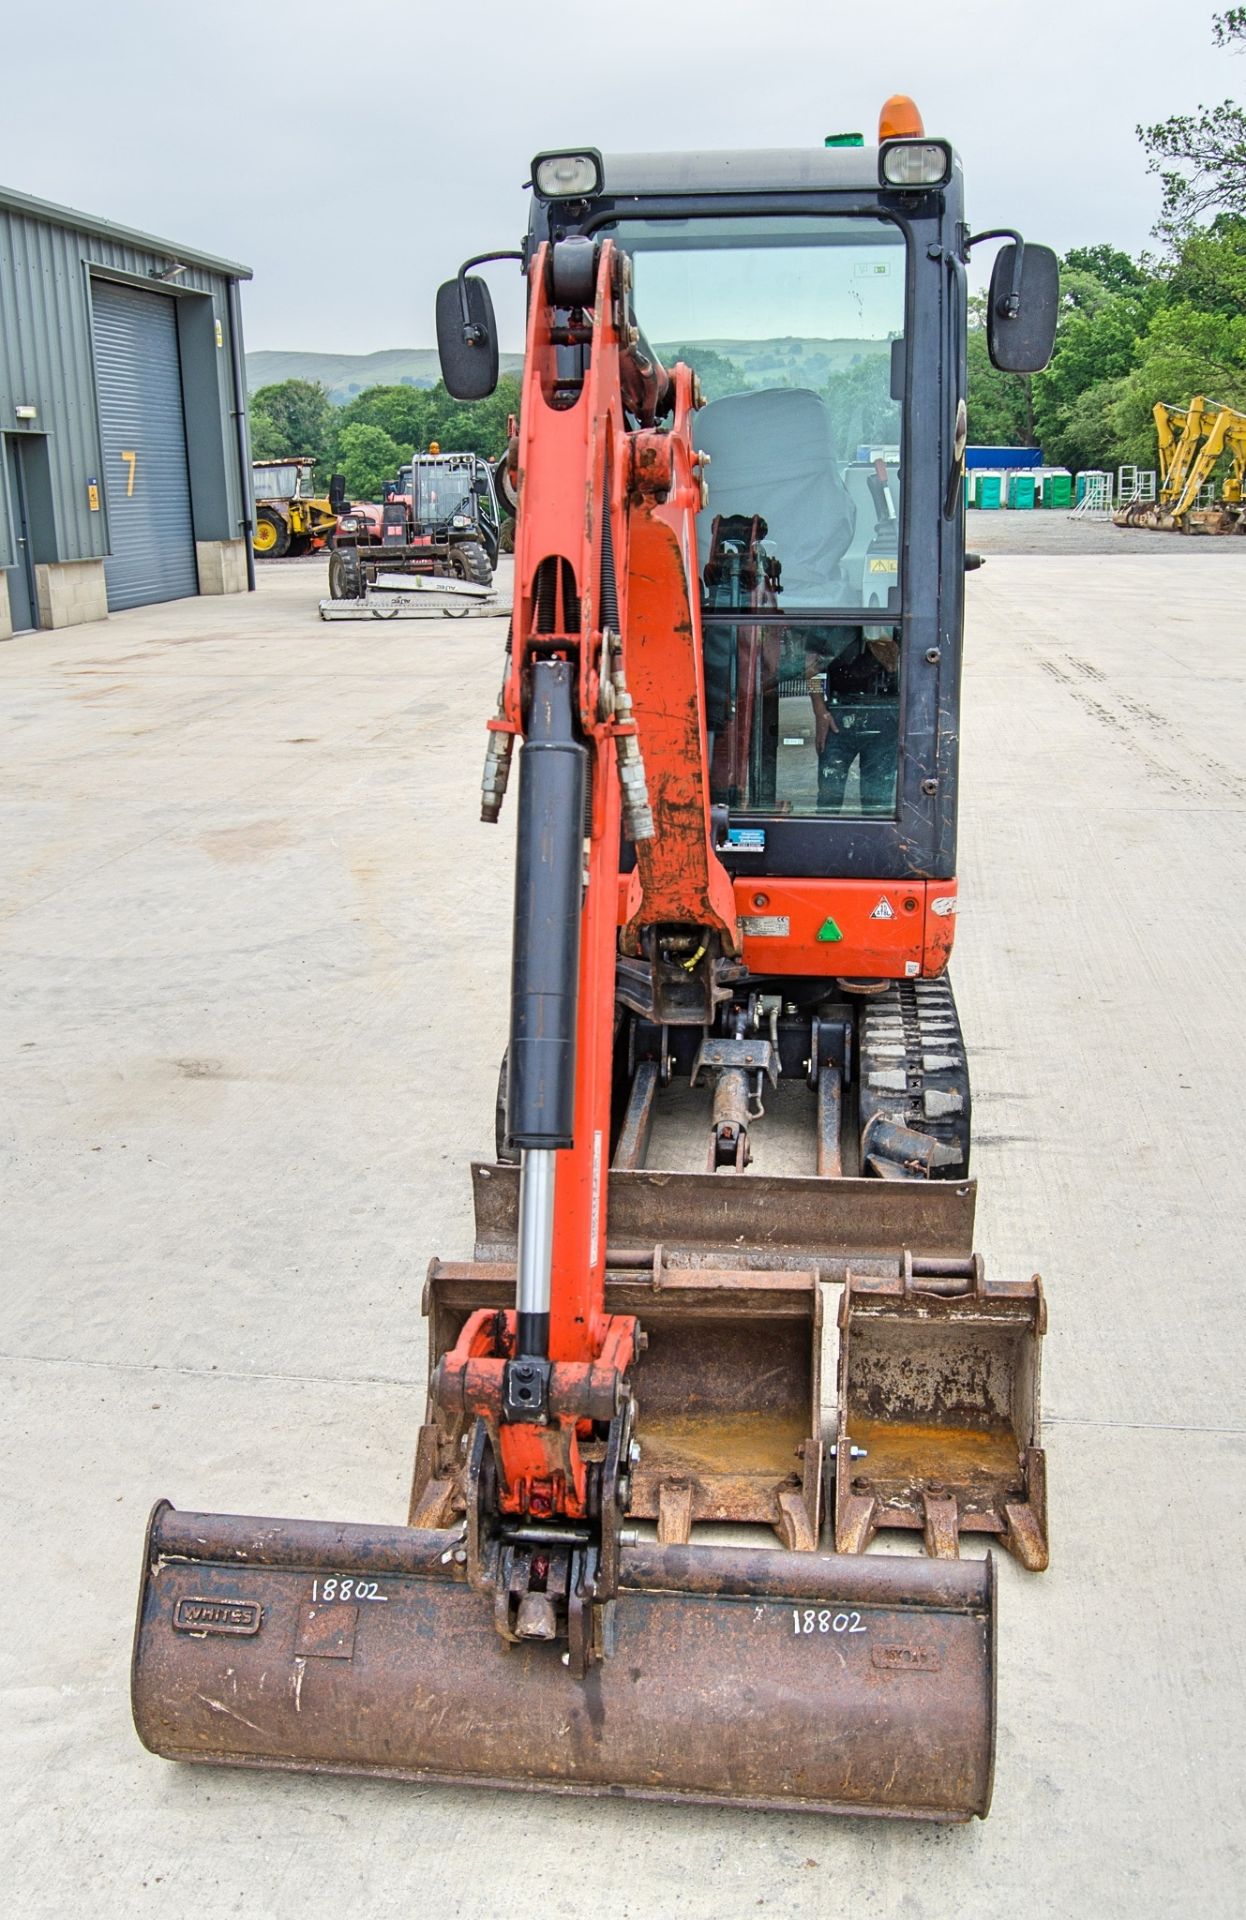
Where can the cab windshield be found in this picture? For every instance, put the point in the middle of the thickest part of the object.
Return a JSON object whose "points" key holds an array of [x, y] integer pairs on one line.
{"points": [[795, 328], [442, 489]]}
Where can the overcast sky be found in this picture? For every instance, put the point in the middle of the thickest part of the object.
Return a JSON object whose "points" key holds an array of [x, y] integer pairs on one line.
{"points": [[353, 154]]}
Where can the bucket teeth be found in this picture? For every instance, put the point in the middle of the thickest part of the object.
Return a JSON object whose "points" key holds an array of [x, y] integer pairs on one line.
{"points": [[536, 1618], [942, 1525], [674, 1513]]}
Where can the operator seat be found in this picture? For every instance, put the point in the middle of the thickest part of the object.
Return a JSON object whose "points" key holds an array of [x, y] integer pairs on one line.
{"points": [[773, 453]]}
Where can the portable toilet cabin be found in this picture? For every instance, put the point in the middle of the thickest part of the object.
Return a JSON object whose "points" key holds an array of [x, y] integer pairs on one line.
{"points": [[1055, 487]]}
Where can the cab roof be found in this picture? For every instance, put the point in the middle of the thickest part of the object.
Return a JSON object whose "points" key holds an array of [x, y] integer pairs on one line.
{"points": [[743, 170]]}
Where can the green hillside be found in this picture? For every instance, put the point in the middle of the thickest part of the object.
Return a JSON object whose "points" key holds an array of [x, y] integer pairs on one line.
{"points": [[346, 374], [789, 362]]}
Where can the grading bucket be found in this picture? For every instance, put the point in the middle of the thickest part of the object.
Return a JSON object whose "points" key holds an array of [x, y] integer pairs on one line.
{"points": [[752, 1677]]}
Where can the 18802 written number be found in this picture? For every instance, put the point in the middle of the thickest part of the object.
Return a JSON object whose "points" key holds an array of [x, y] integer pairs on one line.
{"points": [[335, 1588], [825, 1620]]}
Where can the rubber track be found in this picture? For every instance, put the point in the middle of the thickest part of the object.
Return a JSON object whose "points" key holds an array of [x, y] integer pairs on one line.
{"points": [[912, 1065]]}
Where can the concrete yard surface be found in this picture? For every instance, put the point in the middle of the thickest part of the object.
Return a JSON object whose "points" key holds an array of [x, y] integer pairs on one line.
{"points": [[255, 960], [1073, 535]]}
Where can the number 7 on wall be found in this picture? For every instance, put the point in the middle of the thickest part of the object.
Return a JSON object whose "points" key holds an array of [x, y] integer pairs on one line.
{"points": [[131, 460]]}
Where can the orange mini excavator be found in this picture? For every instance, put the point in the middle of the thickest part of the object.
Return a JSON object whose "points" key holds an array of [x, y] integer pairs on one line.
{"points": [[631, 1564]]}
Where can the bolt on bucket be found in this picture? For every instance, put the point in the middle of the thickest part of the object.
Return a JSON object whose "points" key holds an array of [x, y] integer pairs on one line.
{"points": [[728, 1396], [751, 1677], [939, 1409]]}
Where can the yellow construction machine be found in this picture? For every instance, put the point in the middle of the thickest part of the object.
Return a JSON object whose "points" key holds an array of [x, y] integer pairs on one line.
{"points": [[1193, 442], [289, 517]]}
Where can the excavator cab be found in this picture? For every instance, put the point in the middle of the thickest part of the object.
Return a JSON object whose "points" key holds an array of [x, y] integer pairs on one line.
{"points": [[634, 1562]]}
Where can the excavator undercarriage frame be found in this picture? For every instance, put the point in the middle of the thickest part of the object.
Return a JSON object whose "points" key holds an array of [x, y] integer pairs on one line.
{"points": [[633, 1357]]}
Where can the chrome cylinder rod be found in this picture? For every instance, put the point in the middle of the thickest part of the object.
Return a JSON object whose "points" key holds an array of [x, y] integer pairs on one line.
{"points": [[535, 1250]]}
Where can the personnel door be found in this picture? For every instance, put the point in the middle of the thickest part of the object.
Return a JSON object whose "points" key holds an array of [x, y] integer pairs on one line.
{"points": [[23, 606]]}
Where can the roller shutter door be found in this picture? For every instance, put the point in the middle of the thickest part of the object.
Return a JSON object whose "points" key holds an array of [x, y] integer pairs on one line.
{"points": [[143, 440]]}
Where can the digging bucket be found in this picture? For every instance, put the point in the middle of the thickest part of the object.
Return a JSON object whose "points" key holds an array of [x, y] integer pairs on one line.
{"points": [[727, 1388], [938, 1420], [754, 1677]]}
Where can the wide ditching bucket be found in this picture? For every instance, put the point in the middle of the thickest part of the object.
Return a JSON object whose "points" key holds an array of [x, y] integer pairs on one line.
{"points": [[753, 1677]]}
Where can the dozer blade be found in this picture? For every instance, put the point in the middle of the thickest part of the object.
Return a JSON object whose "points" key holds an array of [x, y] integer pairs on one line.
{"points": [[769, 1221], [760, 1678], [939, 1409]]}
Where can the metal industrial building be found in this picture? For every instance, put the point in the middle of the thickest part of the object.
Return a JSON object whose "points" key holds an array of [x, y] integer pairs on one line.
{"points": [[124, 458]]}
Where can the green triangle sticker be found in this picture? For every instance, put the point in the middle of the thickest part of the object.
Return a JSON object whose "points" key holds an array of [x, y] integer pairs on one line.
{"points": [[828, 930]]}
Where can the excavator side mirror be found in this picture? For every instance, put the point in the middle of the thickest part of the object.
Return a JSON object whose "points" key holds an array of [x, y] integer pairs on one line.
{"points": [[467, 338], [1024, 305]]}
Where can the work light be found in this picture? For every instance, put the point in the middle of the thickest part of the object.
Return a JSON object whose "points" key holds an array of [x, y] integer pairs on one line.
{"points": [[915, 163], [567, 176]]}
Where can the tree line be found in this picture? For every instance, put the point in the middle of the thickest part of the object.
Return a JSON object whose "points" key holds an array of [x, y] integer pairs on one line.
{"points": [[1131, 332], [1163, 326], [367, 440]]}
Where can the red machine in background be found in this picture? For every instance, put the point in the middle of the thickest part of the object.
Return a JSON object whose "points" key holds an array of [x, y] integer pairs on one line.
{"points": [[440, 518]]}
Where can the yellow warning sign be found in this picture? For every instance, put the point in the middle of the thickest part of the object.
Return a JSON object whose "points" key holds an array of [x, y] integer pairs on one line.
{"points": [[882, 566]]}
